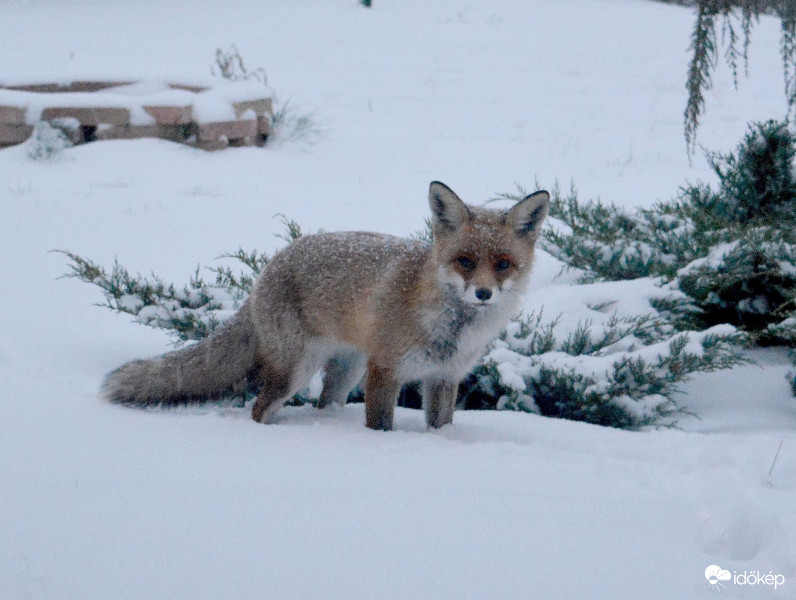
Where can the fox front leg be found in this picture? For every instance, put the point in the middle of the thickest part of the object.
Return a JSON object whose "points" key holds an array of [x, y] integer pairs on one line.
{"points": [[381, 394], [439, 398]]}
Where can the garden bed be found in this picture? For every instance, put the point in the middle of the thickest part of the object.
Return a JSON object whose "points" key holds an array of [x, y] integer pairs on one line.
{"points": [[211, 117]]}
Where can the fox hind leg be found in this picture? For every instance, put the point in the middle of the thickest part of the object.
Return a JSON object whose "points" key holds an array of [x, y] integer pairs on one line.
{"points": [[343, 372], [292, 370], [274, 392]]}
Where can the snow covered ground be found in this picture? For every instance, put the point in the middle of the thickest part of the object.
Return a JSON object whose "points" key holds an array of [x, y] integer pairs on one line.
{"points": [[99, 502]]}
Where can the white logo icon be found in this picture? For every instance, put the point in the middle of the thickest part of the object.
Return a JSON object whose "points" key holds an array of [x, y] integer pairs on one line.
{"points": [[715, 575]]}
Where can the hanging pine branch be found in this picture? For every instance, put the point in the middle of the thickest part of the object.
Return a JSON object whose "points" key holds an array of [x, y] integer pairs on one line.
{"points": [[706, 41]]}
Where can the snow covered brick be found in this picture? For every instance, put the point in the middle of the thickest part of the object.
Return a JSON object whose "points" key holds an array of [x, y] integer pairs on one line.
{"points": [[88, 116], [14, 134], [210, 116], [13, 115], [174, 133], [237, 131], [170, 115]]}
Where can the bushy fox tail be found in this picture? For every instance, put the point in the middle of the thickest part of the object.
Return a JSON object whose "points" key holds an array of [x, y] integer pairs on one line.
{"points": [[221, 365]]}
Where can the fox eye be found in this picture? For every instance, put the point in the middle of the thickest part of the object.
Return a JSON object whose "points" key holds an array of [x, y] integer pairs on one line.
{"points": [[502, 264], [465, 262]]}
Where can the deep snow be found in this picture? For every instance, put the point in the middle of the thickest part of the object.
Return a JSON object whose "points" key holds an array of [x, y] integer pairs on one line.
{"points": [[102, 502]]}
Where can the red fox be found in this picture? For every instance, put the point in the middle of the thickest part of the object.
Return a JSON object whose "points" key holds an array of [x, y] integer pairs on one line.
{"points": [[359, 304]]}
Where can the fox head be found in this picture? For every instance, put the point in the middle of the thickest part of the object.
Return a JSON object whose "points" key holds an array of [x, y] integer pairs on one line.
{"points": [[484, 254]]}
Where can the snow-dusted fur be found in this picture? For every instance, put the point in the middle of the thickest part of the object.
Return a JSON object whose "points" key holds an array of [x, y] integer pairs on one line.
{"points": [[218, 366], [360, 303]]}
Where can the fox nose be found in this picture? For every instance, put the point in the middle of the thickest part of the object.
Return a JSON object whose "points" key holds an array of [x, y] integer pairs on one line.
{"points": [[483, 294]]}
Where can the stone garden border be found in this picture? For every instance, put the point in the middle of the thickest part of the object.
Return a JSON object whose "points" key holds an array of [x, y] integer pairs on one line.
{"points": [[210, 117]]}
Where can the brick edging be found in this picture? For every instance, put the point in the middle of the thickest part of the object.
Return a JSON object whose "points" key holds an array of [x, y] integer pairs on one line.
{"points": [[251, 126]]}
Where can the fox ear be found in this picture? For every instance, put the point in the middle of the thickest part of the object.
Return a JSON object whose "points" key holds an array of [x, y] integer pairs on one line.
{"points": [[529, 213], [448, 212]]}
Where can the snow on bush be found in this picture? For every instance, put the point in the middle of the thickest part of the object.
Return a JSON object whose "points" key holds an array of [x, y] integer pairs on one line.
{"points": [[50, 138], [730, 251], [622, 372]]}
